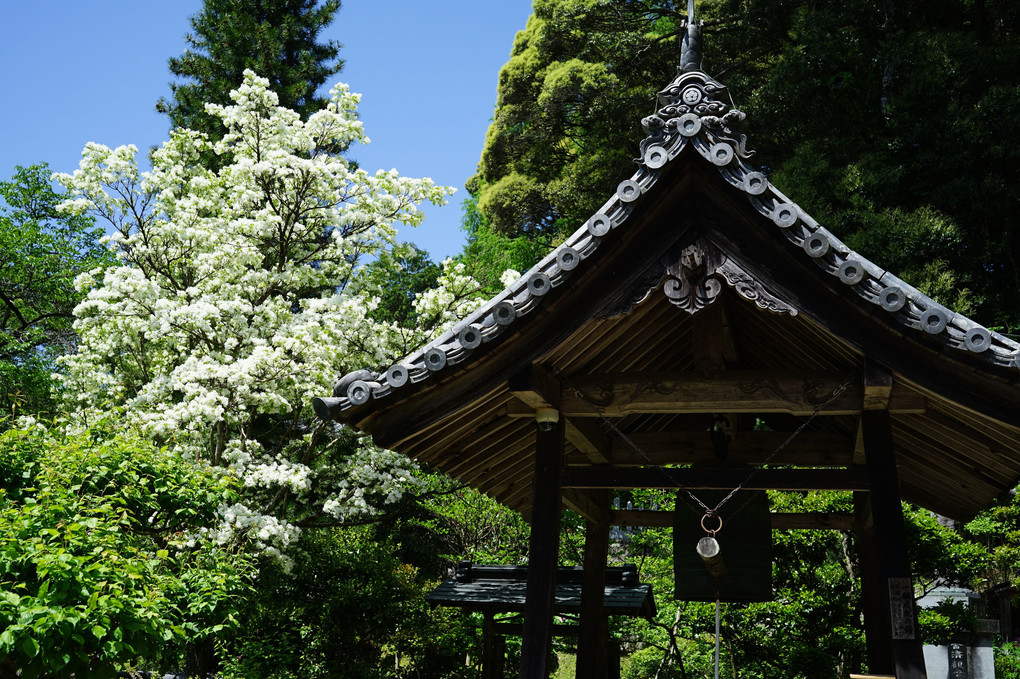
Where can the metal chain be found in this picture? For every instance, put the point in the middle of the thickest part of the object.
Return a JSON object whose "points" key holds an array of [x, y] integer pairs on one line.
{"points": [[714, 511], [630, 442], [836, 393]]}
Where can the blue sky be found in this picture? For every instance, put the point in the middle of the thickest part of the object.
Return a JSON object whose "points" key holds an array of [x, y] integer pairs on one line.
{"points": [[75, 71]]}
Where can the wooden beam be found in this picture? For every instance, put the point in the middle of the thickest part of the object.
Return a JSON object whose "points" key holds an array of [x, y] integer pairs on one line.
{"points": [[588, 438], [543, 553], [813, 521], [591, 642], [754, 447], [877, 384], [718, 479], [796, 393], [517, 629], [708, 335], [584, 503], [536, 386], [780, 520]]}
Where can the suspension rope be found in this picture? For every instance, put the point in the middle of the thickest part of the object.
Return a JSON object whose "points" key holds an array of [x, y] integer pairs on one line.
{"points": [[717, 633]]}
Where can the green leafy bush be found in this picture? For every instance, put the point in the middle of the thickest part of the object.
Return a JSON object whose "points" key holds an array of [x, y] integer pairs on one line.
{"points": [[1007, 660], [102, 555]]}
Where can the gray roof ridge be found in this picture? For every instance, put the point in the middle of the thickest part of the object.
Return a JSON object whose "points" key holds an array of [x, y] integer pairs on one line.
{"points": [[691, 113]]}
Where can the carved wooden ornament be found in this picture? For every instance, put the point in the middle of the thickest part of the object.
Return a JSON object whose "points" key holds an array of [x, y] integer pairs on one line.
{"points": [[694, 280]]}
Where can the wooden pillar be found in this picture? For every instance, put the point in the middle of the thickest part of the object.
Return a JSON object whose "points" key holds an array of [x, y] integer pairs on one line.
{"points": [[490, 664], [891, 545], [543, 552], [613, 651], [591, 643], [500, 646], [874, 602]]}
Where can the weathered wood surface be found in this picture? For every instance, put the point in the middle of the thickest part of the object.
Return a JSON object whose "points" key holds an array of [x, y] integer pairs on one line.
{"points": [[491, 657], [890, 540], [509, 596], [585, 503], [878, 634], [733, 391], [592, 632], [543, 552], [719, 479], [504, 589], [780, 520], [813, 448]]}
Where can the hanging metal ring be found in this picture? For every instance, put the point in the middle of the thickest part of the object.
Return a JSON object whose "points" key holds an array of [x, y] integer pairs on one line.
{"points": [[711, 531]]}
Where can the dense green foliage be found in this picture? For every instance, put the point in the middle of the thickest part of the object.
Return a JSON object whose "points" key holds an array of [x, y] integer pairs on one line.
{"points": [[568, 114], [488, 252], [103, 559], [41, 253], [350, 608], [277, 39], [890, 123]]}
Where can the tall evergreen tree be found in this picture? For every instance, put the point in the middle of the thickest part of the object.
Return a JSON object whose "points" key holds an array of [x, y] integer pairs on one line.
{"points": [[278, 39], [889, 122]]}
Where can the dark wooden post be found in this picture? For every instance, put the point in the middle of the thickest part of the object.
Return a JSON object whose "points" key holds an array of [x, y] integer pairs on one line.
{"points": [[874, 602], [891, 544], [543, 551], [489, 661], [591, 643], [613, 651]]}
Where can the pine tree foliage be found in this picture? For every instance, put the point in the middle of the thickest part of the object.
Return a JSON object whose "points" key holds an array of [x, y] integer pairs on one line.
{"points": [[278, 39]]}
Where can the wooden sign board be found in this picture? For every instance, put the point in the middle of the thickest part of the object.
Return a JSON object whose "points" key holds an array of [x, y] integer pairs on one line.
{"points": [[901, 608]]}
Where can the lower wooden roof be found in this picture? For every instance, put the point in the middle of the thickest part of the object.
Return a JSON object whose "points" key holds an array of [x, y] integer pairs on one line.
{"points": [[503, 589]]}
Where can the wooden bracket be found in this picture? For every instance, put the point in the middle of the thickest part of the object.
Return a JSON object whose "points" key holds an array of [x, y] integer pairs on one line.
{"points": [[537, 387], [876, 393]]}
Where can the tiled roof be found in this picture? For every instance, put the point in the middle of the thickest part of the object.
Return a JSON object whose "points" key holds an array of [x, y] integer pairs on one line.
{"points": [[693, 113]]}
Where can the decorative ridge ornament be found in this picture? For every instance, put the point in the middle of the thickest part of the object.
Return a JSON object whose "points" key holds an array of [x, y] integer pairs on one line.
{"points": [[690, 45], [693, 111]]}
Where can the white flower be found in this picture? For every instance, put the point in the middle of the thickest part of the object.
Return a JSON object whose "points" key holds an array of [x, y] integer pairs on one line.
{"points": [[228, 311], [508, 277]]}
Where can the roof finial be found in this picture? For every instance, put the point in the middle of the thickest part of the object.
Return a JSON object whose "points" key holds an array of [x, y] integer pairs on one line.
{"points": [[690, 49]]}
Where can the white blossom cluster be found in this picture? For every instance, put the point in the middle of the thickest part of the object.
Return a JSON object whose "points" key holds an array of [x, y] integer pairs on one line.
{"points": [[230, 309], [454, 298], [268, 533], [372, 471]]}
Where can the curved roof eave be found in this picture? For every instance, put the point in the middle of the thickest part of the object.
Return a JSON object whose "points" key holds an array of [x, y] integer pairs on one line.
{"points": [[692, 115]]}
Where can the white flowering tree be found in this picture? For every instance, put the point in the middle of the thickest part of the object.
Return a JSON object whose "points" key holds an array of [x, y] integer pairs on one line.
{"points": [[232, 305]]}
